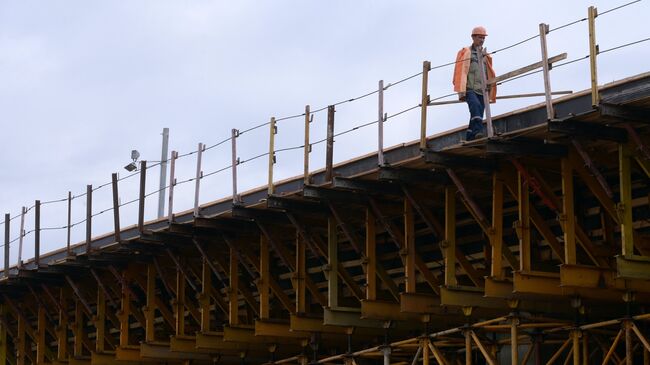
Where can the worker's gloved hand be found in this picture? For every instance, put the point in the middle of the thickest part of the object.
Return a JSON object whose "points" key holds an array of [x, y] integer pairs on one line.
{"points": [[461, 96]]}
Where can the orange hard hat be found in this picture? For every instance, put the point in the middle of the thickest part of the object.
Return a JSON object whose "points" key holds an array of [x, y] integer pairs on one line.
{"points": [[479, 31]]}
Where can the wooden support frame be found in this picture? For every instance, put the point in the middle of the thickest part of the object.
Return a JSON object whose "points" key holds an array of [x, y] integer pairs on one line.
{"points": [[329, 152], [592, 13], [449, 243], [424, 102], [371, 256], [568, 213], [300, 274], [273, 130], [265, 278], [625, 206], [409, 248], [233, 290], [332, 264], [523, 224]]}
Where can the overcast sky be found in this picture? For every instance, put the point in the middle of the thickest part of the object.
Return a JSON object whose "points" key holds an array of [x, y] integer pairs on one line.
{"points": [[84, 82]]}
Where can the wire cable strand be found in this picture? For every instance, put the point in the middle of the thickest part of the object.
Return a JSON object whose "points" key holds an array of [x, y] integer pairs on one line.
{"points": [[619, 7]]}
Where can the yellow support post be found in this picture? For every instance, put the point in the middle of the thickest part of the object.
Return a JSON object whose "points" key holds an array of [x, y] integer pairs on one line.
{"points": [[40, 336], [272, 132], [3, 334], [449, 244], [125, 311], [371, 257], [263, 285], [204, 298], [100, 322], [333, 263], [568, 213], [575, 336], [149, 310], [301, 272], [409, 240], [468, 348], [62, 329], [179, 304], [234, 288], [78, 329], [524, 224], [21, 342], [625, 206], [426, 67], [514, 343], [425, 351], [592, 13], [496, 232]]}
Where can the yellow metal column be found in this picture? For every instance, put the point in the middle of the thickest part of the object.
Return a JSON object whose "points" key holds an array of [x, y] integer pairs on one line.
{"points": [[3, 334], [514, 343], [409, 240], [263, 285], [234, 289], [625, 206], [449, 244], [523, 226], [125, 311], [204, 298], [568, 214], [21, 342], [496, 232], [371, 257], [78, 329], [301, 272], [333, 263], [100, 321], [40, 336], [179, 304], [425, 351], [149, 310], [468, 348], [575, 336], [62, 329]]}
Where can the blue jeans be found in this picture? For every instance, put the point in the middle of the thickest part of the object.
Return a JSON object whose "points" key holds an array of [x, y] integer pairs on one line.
{"points": [[476, 107]]}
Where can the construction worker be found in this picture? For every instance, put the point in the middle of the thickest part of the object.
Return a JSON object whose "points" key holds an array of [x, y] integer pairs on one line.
{"points": [[468, 82]]}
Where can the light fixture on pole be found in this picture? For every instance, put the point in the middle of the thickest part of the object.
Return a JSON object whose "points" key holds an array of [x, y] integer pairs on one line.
{"points": [[135, 155]]}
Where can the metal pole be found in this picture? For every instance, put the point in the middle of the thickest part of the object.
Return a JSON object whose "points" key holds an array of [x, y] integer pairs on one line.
{"points": [[23, 211], [426, 67], [329, 153], [380, 125], [272, 131], [69, 226], [543, 31], [89, 216], [592, 13], [37, 232], [514, 344], [486, 91], [172, 183], [199, 175], [234, 163], [116, 208], [7, 239], [163, 172], [307, 148], [141, 197]]}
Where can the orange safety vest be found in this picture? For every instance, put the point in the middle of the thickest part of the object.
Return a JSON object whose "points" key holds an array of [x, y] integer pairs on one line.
{"points": [[463, 59]]}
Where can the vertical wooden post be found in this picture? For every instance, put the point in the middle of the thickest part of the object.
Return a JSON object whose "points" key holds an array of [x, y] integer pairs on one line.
{"points": [[21, 342], [172, 184], [7, 239], [41, 346], [333, 263], [585, 348], [629, 346], [575, 337], [409, 248], [3, 332], [486, 91], [380, 125], [449, 243], [78, 329], [568, 214], [21, 235], [204, 299], [468, 348], [592, 13], [301, 272], [263, 285], [524, 223], [234, 289], [100, 322], [234, 163], [62, 329], [149, 310], [514, 343], [69, 225], [199, 176], [37, 232], [625, 206], [329, 153], [307, 147], [141, 197], [125, 311], [371, 257], [116, 208], [426, 67], [425, 351], [179, 307], [272, 131], [543, 31], [496, 233], [89, 218]]}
